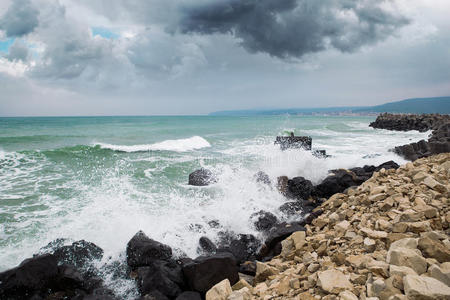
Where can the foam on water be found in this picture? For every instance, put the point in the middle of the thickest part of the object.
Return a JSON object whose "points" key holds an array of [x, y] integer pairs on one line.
{"points": [[181, 145], [112, 197]]}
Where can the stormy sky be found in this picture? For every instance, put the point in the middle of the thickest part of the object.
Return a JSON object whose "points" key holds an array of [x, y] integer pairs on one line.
{"points": [[136, 57]]}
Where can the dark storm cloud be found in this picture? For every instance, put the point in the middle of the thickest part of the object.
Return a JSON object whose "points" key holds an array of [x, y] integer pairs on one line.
{"points": [[20, 19], [293, 28]]}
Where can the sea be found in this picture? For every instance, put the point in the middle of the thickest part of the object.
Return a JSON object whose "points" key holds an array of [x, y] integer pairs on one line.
{"points": [[102, 179]]}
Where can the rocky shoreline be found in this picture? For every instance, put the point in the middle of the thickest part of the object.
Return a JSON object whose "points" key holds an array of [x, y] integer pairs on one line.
{"points": [[439, 141], [369, 209]]}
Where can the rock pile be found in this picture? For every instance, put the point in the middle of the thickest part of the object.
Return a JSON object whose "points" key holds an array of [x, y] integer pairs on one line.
{"points": [[439, 141], [387, 239], [404, 122]]}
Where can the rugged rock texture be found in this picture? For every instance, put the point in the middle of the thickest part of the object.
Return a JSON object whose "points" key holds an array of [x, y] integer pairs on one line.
{"points": [[202, 177], [142, 251], [439, 142], [403, 122], [387, 239]]}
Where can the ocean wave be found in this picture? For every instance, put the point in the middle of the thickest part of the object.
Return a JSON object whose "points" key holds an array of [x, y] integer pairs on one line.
{"points": [[181, 145]]}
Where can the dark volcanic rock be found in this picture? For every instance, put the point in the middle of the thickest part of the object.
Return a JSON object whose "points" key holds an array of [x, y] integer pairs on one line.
{"points": [[299, 188], [207, 245], [282, 185], [244, 247], [154, 295], [142, 251], [189, 296], [31, 276], [295, 207], [439, 142], [248, 268], [263, 178], [272, 245], [264, 220], [164, 277], [336, 183], [403, 122], [202, 177], [205, 271], [296, 142], [79, 253]]}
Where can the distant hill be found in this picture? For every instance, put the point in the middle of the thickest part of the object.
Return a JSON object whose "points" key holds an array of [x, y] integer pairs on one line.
{"points": [[414, 106]]}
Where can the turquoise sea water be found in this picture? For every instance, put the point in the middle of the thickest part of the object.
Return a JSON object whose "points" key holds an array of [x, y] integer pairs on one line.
{"points": [[104, 178]]}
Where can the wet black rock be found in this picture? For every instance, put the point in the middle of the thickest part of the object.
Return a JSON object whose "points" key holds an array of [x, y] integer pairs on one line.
{"points": [[207, 245], [294, 142], [338, 182], [154, 295], [189, 296], [248, 268], [202, 177], [31, 276], [214, 224], [272, 245], [282, 185], [205, 271], [299, 188], [162, 276], [263, 178], [439, 142], [79, 253], [264, 220], [243, 247], [293, 208], [142, 251], [402, 122]]}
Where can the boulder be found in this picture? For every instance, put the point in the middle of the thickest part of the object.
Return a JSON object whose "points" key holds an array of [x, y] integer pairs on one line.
{"points": [[272, 245], [262, 177], [142, 251], [31, 275], [407, 257], [79, 253], [294, 142], [299, 188], [202, 177], [164, 277], [441, 273], [205, 271], [264, 220], [220, 291], [425, 288], [338, 182], [207, 245], [189, 296], [434, 249], [244, 247], [333, 281]]}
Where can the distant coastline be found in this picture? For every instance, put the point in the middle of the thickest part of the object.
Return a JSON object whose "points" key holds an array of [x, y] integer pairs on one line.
{"points": [[439, 105]]}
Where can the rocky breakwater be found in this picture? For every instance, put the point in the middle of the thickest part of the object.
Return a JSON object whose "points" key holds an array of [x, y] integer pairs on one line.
{"points": [[439, 141], [386, 239]]}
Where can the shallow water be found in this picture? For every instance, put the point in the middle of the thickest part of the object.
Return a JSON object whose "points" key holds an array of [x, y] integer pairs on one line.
{"points": [[104, 178]]}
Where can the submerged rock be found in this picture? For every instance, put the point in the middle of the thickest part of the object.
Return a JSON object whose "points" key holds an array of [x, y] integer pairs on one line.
{"points": [[205, 271], [263, 178], [202, 177], [294, 142], [142, 251], [189, 296], [264, 220]]}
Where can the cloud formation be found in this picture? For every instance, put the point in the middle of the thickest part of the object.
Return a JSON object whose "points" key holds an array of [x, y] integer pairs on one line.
{"points": [[293, 28], [20, 19]]}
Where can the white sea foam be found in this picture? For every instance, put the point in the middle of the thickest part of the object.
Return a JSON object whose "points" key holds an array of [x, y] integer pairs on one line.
{"points": [[181, 145]]}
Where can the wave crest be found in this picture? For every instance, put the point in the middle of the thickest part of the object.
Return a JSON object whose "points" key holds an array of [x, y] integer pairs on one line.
{"points": [[180, 145]]}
